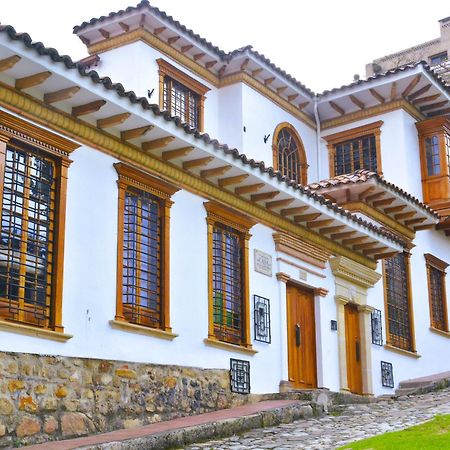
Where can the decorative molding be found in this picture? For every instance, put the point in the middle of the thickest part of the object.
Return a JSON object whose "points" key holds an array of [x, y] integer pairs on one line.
{"points": [[321, 292], [401, 351], [354, 272], [365, 309], [341, 300], [229, 217], [62, 122], [435, 262], [298, 266], [28, 330], [283, 277], [301, 249], [133, 328], [441, 332]]}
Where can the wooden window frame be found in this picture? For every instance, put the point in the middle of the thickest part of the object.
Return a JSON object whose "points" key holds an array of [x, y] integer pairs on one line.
{"points": [[130, 177], [302, 177], [219, 214], [389, 343], [332, 140], [436, 263], [167, 70], [58, 148]]}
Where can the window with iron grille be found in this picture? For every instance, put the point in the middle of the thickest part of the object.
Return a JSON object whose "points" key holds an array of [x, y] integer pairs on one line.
{"points": [[377, 328], [143, 251], [261, 311], [356, 154], [290, 155], [387, 374], [240, 376], [436, 292], [433, 155], [27, 235], [398, 306]]}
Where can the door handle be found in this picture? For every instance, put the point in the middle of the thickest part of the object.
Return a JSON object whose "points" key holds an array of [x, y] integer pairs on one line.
{"points": [[358, 351], [297, 335]]}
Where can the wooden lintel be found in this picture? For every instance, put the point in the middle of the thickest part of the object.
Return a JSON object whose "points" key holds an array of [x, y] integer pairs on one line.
{"points": [[104, 33], [216, 171], [199, 56], [9, 63], [303, 105], [112, 121], [32, 80], [376, 95], [292, 97], [210, 64], [279, 203], [394, 209], [307, 217], [256, 72], [414, 221], [411, 85], [135, 132], [393, 91], [365, 245], [268, 81], [87, 108], [354, 241], [337, 108], [383, 202], [229, 181], [156, 144], [419, 92], [343, 235], [62, 94], [356, 101], [373, 197], [429, 98], [172, 154], [249, 189], [245, 63], [159, 30], [281, 89], [292, 211], [433, 105], [186, 48], [385, 255], [405, 215], [264, 196], [328, 230], [124, 26], [200, 162], [173, 39], [319, 223]]}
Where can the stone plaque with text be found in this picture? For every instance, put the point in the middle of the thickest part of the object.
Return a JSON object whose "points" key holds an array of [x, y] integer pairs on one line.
{"points": [[263, 263]]}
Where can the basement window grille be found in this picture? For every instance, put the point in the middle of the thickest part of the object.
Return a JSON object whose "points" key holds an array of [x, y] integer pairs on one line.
{"points": [[377, 328], [387, 374], [262, 319], [240, 376]]}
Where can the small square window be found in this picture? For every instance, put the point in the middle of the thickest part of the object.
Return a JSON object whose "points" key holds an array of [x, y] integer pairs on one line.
{"points": [[240, 376]]}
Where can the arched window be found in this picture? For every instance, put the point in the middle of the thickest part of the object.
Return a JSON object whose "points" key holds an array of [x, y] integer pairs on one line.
{"points": [[288, 153]]}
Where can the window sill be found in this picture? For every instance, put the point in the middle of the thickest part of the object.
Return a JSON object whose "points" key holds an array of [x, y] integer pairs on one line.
{"points": [[227, 346], [133, 328], [402, 351], [441, 332], [29, 330]]}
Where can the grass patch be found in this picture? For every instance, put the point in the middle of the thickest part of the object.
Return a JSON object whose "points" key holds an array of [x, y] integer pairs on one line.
{"points": [[434, 434]]}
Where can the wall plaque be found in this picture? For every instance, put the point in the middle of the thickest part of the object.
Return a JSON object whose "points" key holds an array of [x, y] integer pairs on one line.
{"points": [[263, 263]]}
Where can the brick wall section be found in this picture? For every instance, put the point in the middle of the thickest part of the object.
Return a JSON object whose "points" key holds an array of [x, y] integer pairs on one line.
{"points": [[46, 397]]}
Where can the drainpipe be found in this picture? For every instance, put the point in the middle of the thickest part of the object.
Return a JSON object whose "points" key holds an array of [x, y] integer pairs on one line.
{"points": [[316, 116]]}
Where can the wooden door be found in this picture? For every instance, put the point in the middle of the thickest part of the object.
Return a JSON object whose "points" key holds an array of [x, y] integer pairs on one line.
{"points": [[353, 349], [301, 337]]}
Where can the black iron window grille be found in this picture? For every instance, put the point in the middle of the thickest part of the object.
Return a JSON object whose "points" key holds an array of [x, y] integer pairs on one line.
{"points": [[387, 374], [377, 328], [261, 310], [289, 163], [181, 102], [356, 154], [437, 294], [27, 236], [240, 376], [227, 284], [397, 296], [141, 288]]}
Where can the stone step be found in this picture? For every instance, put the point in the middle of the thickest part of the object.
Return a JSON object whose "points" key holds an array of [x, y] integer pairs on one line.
{"points": [[424, 384]]}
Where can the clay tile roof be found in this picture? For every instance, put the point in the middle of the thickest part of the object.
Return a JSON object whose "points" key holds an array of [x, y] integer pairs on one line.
{"points": [[362, 176]]}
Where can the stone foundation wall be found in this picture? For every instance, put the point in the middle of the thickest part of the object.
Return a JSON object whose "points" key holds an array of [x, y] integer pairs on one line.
{"points": [[53, 397]]}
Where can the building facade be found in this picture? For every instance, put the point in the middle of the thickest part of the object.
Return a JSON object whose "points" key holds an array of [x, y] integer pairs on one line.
{"points": [[150, 270]]}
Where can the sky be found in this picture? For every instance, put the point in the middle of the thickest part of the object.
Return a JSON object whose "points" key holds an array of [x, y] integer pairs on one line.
{"points": [[322, 43]]}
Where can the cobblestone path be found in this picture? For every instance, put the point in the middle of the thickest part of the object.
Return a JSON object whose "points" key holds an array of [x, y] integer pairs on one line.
{"points": [[354, 422]]}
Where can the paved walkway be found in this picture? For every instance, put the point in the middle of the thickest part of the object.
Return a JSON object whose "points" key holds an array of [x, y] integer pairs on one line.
{"points": [[353, 423]]}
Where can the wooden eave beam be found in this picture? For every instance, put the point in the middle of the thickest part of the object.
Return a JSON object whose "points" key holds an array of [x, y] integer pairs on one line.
{"points": [[307, 217], [430, 98], [9, 63], [223, 182], [370, 251], [264, 196], [356, 101], [292, 97], [281, 89], [405, 215], [186, 48], [173, 39], [32, 80], [172, 154], [135, 132], [319, 223], [216, 171], [337, 108], [156, 144], [354, 241], [414, 221], [62, 94], [292, 211], [269, 81], [256, 72], [394, 209], [419, 92], [85, 40], [222, 70], [363, 194], [279, 203], [433, 106], [200, 162], [87, 108], [411, 85], [249, 189], [104, 33], [210, 64], [440, 112], [245, 64], [343, 235], [159, 30], [423, 227], [328, 230], [373, 197], [124, 26], [199, 56], [393, 91], [303, 105], [365, 245], [112, 121], [385, 255], [377, 96], [382, 202]]}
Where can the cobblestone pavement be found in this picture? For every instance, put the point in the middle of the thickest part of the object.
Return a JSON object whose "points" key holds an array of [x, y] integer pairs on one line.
{"points": [[354, 422]]}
